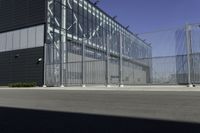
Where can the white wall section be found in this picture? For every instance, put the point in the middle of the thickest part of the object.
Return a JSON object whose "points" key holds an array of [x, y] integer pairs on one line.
{"points": [[23, 38]]}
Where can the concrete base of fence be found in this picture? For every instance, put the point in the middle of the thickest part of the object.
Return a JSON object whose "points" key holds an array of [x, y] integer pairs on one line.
{"points": [[108, 86], [44, 86], [62, 86], [191, 85], [83, 86], [121, 86]]}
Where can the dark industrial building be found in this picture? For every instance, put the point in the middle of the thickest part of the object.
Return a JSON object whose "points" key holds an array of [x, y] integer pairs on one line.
{"points": [[68, 42]]}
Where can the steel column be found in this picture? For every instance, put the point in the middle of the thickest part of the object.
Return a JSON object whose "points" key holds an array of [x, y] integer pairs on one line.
{"points": [[120, 62], [45, 64], [83, 49], [107, 61], [188, 43], [61, 47]]}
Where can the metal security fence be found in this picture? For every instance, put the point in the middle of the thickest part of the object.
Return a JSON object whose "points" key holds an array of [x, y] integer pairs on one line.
{"points": [[175, 55], [86, 46], [174, 60], [95, 72]]}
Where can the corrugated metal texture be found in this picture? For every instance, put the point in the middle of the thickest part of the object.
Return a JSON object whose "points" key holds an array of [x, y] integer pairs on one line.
{"points": [[21, 66], [16, 14], [23, 38]]}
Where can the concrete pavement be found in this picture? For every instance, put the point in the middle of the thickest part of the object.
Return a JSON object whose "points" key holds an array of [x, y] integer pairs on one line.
{"points": [[162, 105], [113, 88]]}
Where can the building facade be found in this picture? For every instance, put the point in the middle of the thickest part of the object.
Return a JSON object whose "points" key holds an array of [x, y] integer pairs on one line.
{"points": [[68, 42], [22, 25]]}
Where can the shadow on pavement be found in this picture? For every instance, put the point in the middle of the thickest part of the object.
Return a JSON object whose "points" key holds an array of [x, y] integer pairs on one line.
{"points": [[35, 121]]}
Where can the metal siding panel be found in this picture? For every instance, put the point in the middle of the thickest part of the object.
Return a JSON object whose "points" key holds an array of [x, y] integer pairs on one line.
{"points": [[16, 14], [23, 68]]}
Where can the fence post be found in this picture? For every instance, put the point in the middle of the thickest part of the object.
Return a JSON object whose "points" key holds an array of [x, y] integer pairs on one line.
{"points": [[107, 62], [83, 65], [61, 64], [120, 63], [188, 43], [44, 67]]}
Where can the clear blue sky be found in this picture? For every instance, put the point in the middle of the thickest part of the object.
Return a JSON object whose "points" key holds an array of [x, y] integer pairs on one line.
{"points": [[152, 15]]}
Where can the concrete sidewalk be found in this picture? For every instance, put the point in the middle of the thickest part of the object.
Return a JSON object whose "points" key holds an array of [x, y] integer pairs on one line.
{"points": [[113, 88]]}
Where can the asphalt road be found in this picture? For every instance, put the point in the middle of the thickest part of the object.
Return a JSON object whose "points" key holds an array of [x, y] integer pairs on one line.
{"points": [[180, 109]]}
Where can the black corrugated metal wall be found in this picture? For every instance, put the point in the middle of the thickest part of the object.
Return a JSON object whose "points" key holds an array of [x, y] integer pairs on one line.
{"points": [[15, 14], [21, 66]]}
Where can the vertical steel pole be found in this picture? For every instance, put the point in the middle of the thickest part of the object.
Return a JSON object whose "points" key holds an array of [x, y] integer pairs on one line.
{"points": [[53, 47], [83, 64], [120, 62], [83, 52], [61, 47], [61, 64], [191, 59], [45, 45], [44, 71], [107, 61], [188, 43], [67, 43]]}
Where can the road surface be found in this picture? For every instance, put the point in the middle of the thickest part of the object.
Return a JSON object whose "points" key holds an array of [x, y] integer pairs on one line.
{"points": [[166, 107]]}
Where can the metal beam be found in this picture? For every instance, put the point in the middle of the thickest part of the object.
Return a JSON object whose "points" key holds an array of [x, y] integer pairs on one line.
{"points": [[188, 44], [107, 62], [120, 62]]}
